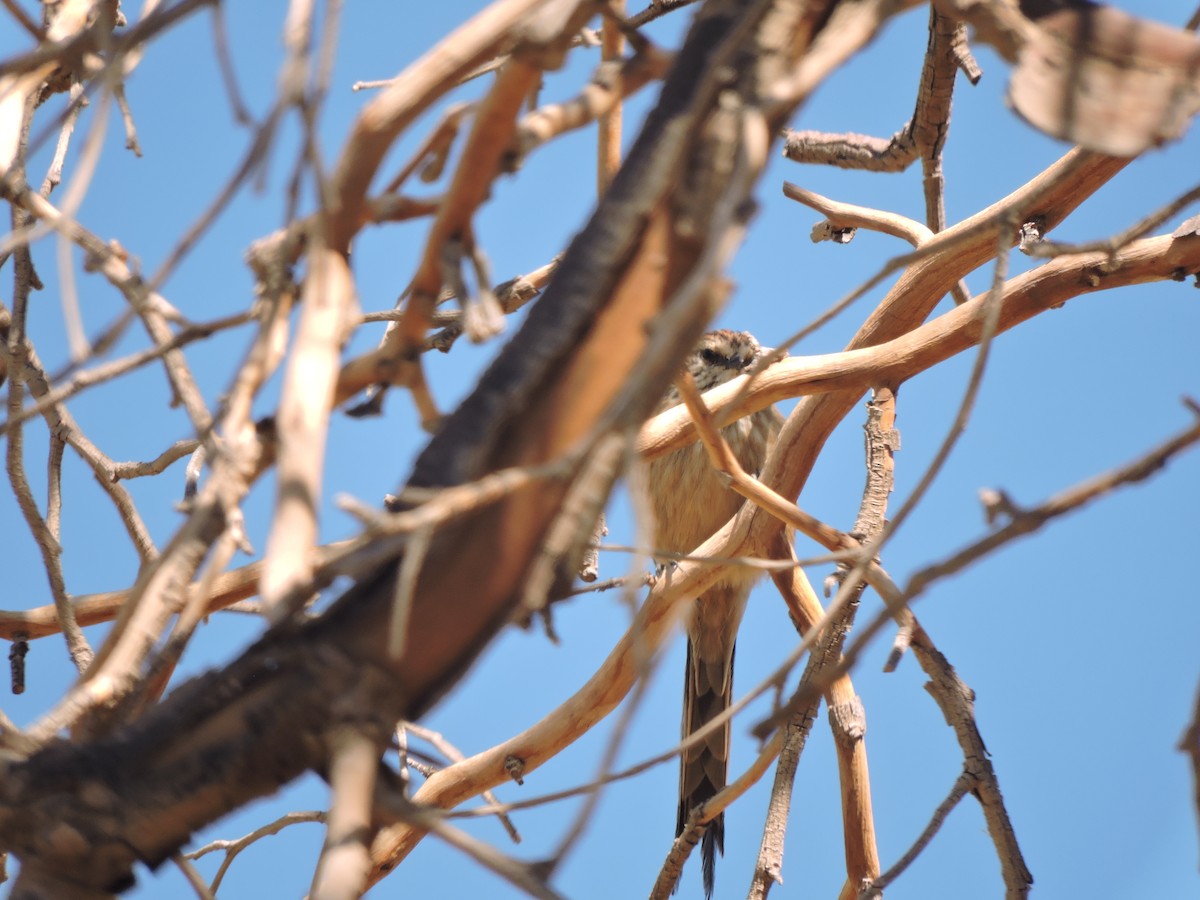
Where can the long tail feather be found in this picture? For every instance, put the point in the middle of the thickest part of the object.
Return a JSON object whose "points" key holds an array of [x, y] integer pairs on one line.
{"points": [[703, 768]]}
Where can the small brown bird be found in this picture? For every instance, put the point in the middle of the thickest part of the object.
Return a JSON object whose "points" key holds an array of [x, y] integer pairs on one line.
{"points": [[690, 503]]}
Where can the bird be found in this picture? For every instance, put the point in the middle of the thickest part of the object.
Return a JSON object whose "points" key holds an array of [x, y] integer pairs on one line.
{"points": [[690, 502]]}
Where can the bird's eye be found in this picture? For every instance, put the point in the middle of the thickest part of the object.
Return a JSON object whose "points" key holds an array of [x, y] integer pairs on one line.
{"points": [[711, 357]]}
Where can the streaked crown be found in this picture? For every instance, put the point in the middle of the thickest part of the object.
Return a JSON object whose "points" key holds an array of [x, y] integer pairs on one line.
{"points": [[721, 356]]}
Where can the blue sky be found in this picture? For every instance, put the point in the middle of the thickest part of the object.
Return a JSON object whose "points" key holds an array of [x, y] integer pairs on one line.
{"points": [[1080, 642]]}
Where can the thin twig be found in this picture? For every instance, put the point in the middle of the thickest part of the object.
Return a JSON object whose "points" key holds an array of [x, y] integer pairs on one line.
{"points": [[608, 134], [1049, 249], [607, 760], [225, 64], [961, 786], [991, 317], [234, 847], [23, 19], [18, 354], [106, 372], [848, 215], [60, 421], [656, 10], [451, 752], [1025, 521], [524, 876], [193, 876], [1190, 742]]}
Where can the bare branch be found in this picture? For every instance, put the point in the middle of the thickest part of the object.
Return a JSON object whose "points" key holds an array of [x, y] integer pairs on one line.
{"points": [[608, 135], [345, 858], [329, 305], [491, 526], [961, 786], [1190, 743], [233, 848]]}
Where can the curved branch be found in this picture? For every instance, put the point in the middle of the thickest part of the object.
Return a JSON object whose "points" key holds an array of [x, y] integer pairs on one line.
{"points": [[1048, 287], [1022, 298]]}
